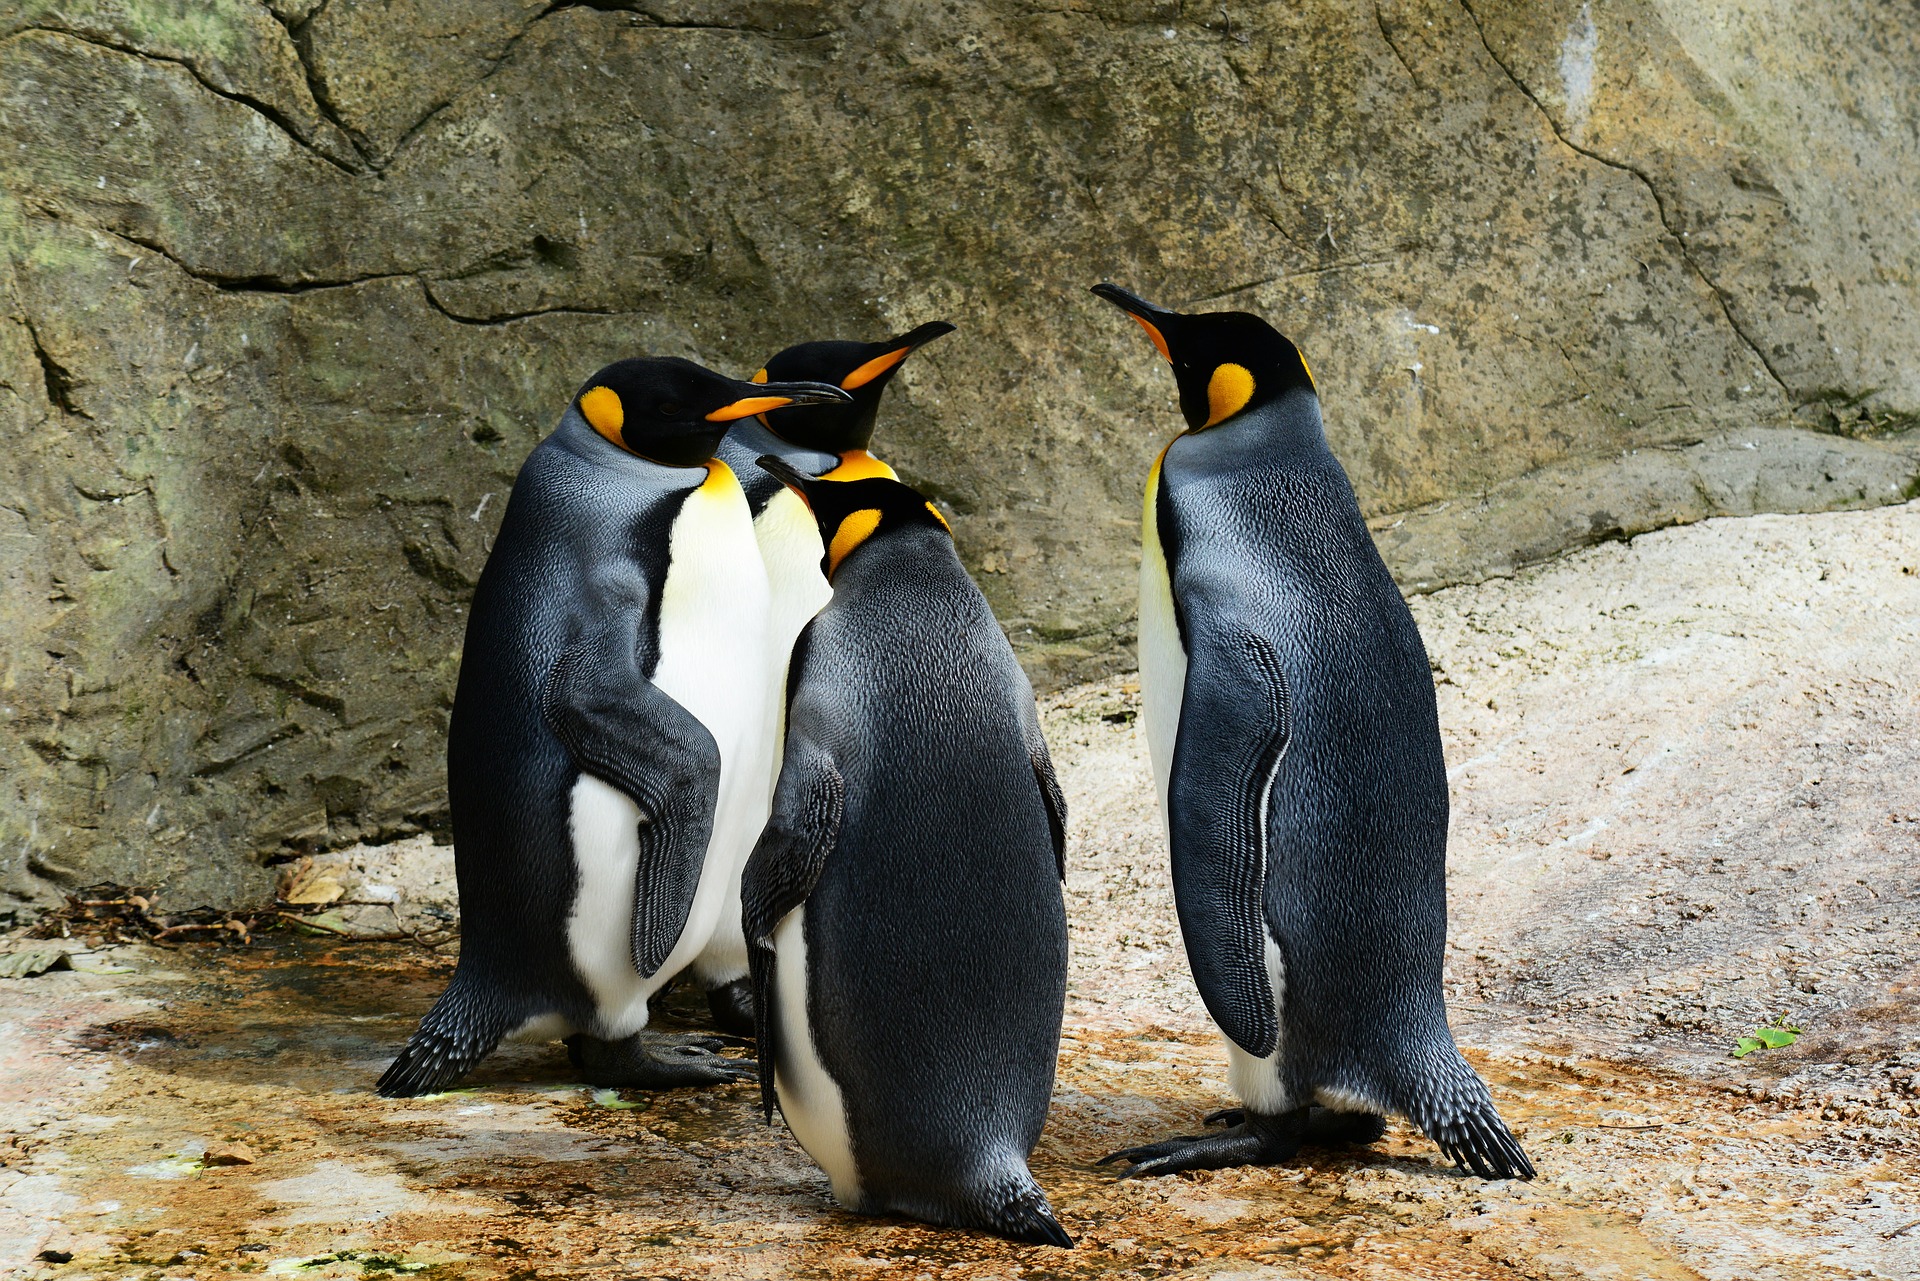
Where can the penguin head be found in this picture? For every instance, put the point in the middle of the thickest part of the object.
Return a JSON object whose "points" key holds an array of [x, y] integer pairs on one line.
{"points": [[861, 369], [1224, 362], [672, 411], [850, 512]]}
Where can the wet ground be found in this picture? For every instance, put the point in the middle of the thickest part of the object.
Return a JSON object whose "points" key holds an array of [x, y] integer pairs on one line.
{"points": [[1687, 791]]}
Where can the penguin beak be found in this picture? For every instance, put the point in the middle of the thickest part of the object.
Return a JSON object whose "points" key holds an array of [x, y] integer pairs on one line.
{"points": [[897, 350], [780, 470], [1155, 320], [768, 396]]}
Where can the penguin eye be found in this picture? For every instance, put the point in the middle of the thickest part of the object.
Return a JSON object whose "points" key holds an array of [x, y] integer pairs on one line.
{"points": [[668, 408]]}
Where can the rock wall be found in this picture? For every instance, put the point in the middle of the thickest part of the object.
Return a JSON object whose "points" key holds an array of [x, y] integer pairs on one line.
{"points": [[290, 289]]}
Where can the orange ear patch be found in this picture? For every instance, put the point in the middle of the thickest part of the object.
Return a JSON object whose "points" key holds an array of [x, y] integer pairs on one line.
{"points": [[873, 369], [942, 519], [602, 409], [759, 377], [853, 531], [1153, 332], [1228, 392]]}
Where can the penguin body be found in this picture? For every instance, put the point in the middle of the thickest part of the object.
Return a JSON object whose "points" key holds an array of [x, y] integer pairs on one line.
{"points": [[904, 904], [595, 765], [827, 439], [1290, 715]]}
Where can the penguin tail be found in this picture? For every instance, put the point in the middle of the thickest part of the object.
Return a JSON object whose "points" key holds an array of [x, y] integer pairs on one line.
{"points": [[462, 1028], [1026, 1216], [1455, 1110]]}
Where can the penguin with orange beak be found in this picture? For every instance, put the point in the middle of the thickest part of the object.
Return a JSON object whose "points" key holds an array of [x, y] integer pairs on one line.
{"points": [[1289, 713], [829, 439], [604, 760]]}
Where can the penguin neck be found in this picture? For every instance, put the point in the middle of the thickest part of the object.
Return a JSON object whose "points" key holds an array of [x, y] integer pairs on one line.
{"points": [[858, 464], [577, 438], [879, 557], [1285, 432], [754, 438]]}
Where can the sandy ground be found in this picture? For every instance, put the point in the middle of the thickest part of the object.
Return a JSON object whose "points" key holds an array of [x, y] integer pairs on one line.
{"points": [[1687, 801]]}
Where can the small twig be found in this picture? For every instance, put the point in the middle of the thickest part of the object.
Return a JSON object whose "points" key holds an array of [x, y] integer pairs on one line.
{"points": [[182, 929], [398, 936], [1651, 1125], [1899, 1232]]}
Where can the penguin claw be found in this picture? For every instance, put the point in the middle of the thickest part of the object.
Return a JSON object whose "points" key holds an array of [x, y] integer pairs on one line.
{"points": [[1134, 1157]]}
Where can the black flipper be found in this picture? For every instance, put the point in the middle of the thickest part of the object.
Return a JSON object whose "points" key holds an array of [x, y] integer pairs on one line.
{"points": [[622, 728], [462, 1028], [783, 869], [1235, 720], [1050, 793]]}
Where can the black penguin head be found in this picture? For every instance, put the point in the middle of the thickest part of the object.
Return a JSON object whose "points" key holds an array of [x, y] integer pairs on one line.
{"points": [[860, 368], [672, 411], [1223, 361], [850, 512]]}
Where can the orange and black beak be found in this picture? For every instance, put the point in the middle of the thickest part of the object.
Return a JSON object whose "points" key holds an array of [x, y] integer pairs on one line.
{"points": [[1157, 321], [763, 397], [895, 351]]}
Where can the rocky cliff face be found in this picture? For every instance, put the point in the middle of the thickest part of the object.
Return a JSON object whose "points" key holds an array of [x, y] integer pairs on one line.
{"points": [[289, 291]]}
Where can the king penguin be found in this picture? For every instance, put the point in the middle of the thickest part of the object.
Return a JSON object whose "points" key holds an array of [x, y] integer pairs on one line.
{"points": [[904, 904], [599, 730], [1290, 717], [826, 439]]}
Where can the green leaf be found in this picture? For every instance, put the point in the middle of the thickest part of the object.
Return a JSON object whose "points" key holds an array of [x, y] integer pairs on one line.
{"points": [[1775, 1037], [1747, 1045], [611, 1099]]}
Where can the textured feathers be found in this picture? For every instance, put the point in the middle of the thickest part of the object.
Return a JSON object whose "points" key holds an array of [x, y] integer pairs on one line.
{"points": [[1235, 722], [462, 1028]]}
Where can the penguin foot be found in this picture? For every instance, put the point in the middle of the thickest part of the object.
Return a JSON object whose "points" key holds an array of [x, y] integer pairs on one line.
{"points": [[1326, 1128], [1252, 1140], [732, 1007], [656, 1061]]}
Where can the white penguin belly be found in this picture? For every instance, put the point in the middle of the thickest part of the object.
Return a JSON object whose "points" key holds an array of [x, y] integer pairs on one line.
{"points": [[712, 630], [790, 547], [1163, 683], [809, 1098], [1163, 659]]}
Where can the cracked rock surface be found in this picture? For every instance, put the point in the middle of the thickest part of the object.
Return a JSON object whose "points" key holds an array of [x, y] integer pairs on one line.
{"points": [[288, 290], [1683, 806]]}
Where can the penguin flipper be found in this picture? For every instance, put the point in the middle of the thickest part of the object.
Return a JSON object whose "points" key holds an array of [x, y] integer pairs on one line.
{"points": [[621, 727], [785, 865], [1235, 719], [1050, 793]]}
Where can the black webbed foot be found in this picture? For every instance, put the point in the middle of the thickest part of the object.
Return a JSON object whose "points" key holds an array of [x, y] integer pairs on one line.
{"points": [[656, 1061], [1326, 1128], [732, 1007], [1252, 1140]]}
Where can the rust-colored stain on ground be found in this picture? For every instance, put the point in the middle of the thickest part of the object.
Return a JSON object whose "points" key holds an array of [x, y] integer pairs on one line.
{"points": [[525, 1174]]}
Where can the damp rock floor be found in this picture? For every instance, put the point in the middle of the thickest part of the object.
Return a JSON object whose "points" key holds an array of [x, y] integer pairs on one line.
{"points": [[1686, 782]]}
